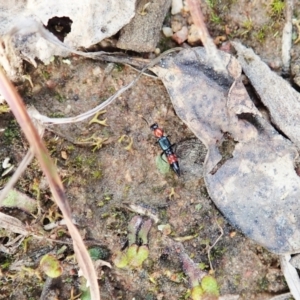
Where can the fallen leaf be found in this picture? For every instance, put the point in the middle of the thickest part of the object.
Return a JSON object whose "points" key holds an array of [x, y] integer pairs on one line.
{"points": [[254, 184], [282, 101]]}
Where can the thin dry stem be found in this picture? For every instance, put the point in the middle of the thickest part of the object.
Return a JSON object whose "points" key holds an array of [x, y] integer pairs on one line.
{"points": [[46, 120], [211, 49], [18, 173], [18, 108], [214, 244]]}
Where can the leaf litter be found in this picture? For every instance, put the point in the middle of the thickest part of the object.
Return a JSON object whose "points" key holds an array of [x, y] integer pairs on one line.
{"points": [[254, 140], [257, 189], [243, 123]]}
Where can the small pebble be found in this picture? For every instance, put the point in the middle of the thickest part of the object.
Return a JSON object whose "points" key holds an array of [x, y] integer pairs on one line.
{"points": [[177, 6], [193, 36], [35, 90], [232, 234], [181, 35], [51, 84], [167, 31], [66, 61], [6, 163], [67, 109], [185, 6], [177, 22], [64, 154], [97, 71]]}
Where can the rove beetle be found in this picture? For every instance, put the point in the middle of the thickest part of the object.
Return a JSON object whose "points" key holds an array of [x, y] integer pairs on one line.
{"points": [[166, 147]]}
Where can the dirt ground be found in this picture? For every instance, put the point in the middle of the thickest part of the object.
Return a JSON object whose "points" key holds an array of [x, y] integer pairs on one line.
{"points": [[102, 183]]}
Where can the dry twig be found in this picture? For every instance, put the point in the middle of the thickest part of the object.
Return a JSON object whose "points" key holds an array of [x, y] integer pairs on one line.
{"points": [[214, 244], [207, 41]]}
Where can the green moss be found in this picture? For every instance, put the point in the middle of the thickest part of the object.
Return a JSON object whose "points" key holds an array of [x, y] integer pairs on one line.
{"points": [[45, 74], [217, 252], [97, 174], [236, 280], [11, 132], [261, 34], [263, 284], [277, 7], [211, 3], [60, 98], [203, 266], [215, 18], [247, 25], [98, 253], [111, 89], [164, 44], [56, 115], [119, 67]]}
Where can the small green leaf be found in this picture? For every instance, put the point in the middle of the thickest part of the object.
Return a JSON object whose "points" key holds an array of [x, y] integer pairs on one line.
{"points": [[86, 295], [210, 285], [141, 255], [132, 252], [198, 207], [121, 260], [162, 164], [50, 265], [197, 293]]}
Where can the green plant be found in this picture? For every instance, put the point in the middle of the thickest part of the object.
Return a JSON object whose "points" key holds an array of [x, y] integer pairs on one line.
{"points": [[207, 289], [98, 253], [277, 7], [247, 25], [4, 108], [211, 3], [215, 18], [50, 265], [261, 34], [11, 132], [119, 67]]}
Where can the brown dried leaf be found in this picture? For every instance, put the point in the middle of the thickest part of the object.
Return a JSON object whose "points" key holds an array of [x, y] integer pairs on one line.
{"points": [[255, 187], [19, 200], [282, 101], [12, 224]]}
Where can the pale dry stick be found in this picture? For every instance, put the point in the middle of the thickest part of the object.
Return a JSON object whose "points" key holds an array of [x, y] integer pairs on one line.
{"points": [[13, 180], [18, 108], [32, 27], [285, 296], [55, 121], [290, 275], [214, 244], [210, 47], [287, 36]]}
